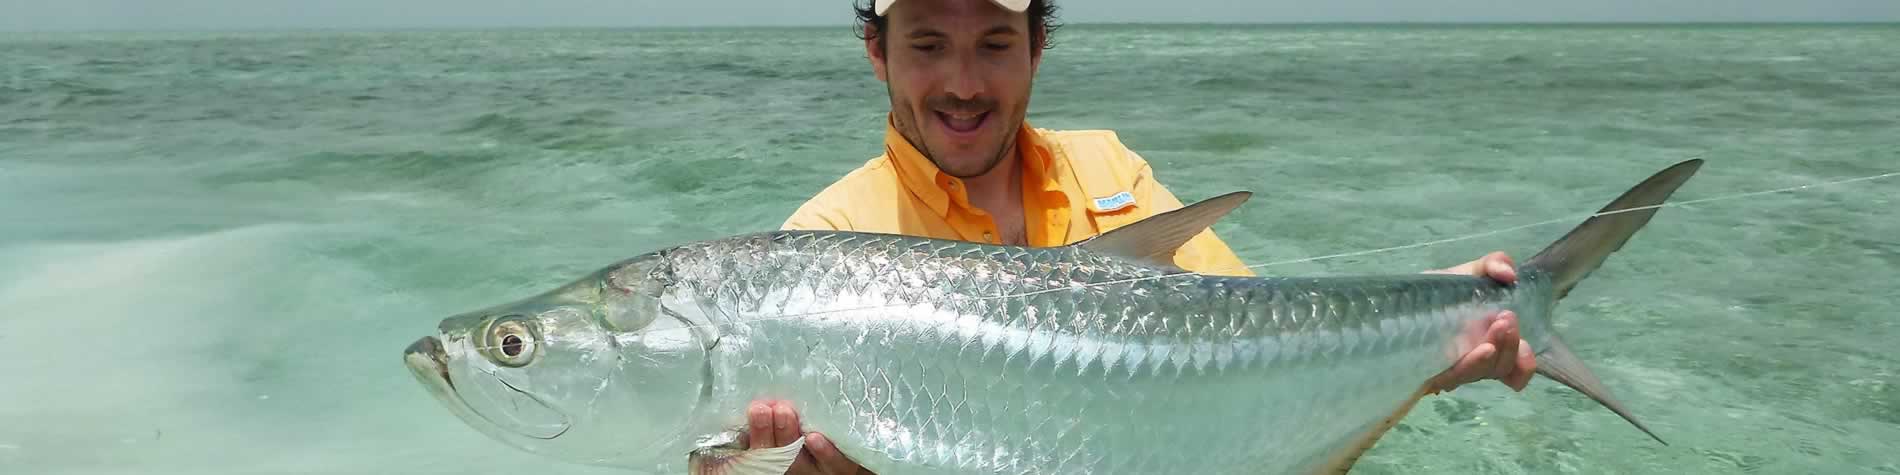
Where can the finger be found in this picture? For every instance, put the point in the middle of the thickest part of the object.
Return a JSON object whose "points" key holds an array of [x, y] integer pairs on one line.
{"points": [[1498, 266], [804, 464], [828, 458], [1468, 368], [1475, 332], [784, 423], [759, 421], [1504, 336], [1468, 268], [1526, 367]]}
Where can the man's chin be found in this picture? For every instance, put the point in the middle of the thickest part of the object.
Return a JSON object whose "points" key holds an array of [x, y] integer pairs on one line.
{"points": [[963, 157]]}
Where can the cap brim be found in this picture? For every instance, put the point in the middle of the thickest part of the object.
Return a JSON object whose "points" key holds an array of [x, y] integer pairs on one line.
{"points": [[1012, 5]]}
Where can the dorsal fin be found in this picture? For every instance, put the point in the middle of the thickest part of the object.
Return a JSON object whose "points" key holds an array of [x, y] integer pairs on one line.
{"points": [[1153, 240]]}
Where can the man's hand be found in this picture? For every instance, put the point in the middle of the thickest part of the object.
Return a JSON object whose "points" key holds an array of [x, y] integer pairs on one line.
{"points": [[1499, 352], [775, 424]]}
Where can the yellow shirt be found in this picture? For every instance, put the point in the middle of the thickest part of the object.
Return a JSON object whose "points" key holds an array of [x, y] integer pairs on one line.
{"points": [[1076, 184]]}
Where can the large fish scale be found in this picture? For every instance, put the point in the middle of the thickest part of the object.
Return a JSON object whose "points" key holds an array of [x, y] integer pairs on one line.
{"points": [[914, 362]]}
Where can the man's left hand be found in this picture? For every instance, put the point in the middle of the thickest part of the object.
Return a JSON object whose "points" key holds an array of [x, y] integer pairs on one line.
{"points": [[1501, 354]]}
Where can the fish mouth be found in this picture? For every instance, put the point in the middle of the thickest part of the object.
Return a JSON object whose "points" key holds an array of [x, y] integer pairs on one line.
{"points": [[430, 365], [429, 362]]}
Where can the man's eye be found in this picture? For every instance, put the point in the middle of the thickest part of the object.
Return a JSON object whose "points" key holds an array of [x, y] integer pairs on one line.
{"points": [[996, 46], [926, 48]]}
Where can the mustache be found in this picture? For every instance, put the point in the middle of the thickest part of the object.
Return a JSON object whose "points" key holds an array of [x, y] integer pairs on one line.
{"points": [[954, 105]]}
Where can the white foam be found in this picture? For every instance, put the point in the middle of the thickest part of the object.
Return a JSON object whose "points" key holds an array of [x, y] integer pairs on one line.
{"points": [[116, 329], [94, 273]]}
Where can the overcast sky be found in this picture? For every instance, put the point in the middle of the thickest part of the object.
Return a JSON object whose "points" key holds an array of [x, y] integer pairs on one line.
{"points": [[17, 15]]}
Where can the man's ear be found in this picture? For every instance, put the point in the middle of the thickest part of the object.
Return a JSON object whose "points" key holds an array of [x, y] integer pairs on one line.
{"points": [[874, 52], [1035, 48]]}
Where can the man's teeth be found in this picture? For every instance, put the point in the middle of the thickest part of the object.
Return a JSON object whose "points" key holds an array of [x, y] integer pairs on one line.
{"points": [[963, 122]]}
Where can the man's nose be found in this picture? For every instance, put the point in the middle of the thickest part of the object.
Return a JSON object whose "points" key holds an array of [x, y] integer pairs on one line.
{"points": [[966, 78]]}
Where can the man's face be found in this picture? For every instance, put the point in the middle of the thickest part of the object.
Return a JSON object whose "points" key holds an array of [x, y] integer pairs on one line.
{"points": [[959, 75]]}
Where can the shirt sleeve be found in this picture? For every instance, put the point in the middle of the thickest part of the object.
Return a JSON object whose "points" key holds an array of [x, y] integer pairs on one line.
{"points": [[816, 215], [1205, 253]]}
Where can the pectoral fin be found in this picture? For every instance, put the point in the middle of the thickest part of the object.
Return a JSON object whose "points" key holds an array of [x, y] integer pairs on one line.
{"points": [[729, 460], [1153, 241]]}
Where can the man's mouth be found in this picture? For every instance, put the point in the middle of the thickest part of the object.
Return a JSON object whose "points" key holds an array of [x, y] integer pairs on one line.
{"points": [[962, 122]]}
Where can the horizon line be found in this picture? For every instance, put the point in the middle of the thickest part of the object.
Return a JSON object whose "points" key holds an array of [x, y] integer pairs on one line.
{"points": [[1066, 24]]}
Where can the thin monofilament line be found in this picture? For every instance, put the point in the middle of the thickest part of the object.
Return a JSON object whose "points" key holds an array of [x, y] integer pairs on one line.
{"points": [[1468, 237], [1415, 245], [1564, 220]]}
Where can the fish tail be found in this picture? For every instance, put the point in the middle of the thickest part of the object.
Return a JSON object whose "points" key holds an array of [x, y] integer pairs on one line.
{"points": [[1572, 258]]}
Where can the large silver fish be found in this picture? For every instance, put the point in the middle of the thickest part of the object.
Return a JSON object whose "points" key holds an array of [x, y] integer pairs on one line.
{"points": [[919, 355]]}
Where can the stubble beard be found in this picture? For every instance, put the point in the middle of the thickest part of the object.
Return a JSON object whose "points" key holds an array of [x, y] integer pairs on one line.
{"points": [[915, 135]]}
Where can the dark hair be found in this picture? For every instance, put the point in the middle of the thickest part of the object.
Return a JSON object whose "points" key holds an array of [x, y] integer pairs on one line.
{"points": [[1042, 22]]}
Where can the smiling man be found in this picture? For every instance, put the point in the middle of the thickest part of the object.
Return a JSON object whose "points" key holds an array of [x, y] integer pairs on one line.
{"points": [[961, 162]]}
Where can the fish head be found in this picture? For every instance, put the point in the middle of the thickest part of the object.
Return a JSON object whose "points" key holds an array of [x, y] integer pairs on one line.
{"points": [[590, 373]]}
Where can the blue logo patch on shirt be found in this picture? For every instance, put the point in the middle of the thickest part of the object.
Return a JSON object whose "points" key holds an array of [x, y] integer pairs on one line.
{"points": [[1114, 202]]}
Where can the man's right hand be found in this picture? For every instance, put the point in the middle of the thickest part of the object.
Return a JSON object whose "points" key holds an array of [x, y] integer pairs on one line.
{"points": [[775, 424]]}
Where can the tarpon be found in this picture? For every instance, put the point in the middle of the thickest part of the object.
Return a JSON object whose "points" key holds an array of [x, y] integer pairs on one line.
{"points": [[919, 355]]}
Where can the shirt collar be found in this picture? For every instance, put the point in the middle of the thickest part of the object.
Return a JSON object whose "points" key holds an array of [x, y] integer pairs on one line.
{"points": [[939, 190]]}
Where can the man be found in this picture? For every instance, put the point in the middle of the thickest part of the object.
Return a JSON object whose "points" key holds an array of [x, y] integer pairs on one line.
{"points": [[960, 162]]}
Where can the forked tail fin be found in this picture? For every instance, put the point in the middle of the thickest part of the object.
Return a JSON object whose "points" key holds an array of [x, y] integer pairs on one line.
{"points": [[1573, 257]]}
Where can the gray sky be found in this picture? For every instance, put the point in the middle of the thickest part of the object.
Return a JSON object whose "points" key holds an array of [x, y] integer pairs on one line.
{"points": [[28, 15]]}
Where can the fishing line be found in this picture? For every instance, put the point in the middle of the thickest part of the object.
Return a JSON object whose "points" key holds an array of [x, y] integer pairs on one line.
{"points": [[1415, 245], [1468, 237]]}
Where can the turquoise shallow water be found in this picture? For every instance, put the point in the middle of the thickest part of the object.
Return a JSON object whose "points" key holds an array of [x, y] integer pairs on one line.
{"points": [[213, 246]]}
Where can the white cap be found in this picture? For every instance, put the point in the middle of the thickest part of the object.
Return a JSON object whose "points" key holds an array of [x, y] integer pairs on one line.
{"points": [[1011, 5]]}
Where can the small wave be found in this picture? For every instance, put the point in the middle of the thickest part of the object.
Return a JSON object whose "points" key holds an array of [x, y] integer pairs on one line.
{"points": [[77, 88], [560, 131], [589, 118], [367, 169], [495, 125], [744, 70], [249, 64], [1225, 142], [104, 62], [412, 200], [1640, 83], [1227, 83]]}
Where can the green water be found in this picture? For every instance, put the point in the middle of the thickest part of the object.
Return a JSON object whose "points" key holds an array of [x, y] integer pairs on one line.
{"points": [[214, 246]]}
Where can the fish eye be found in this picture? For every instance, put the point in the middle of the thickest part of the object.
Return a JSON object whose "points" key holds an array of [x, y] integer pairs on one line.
{"points": [[510, 341], [511, 346]]}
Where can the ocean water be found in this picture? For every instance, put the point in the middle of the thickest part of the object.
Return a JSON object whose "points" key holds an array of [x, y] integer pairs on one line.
{"points": [[213, 246]]}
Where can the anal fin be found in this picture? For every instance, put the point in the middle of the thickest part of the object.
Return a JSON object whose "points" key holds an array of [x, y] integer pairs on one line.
{"points": [[1558, 363], [1341, 462], [728, 460]]}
